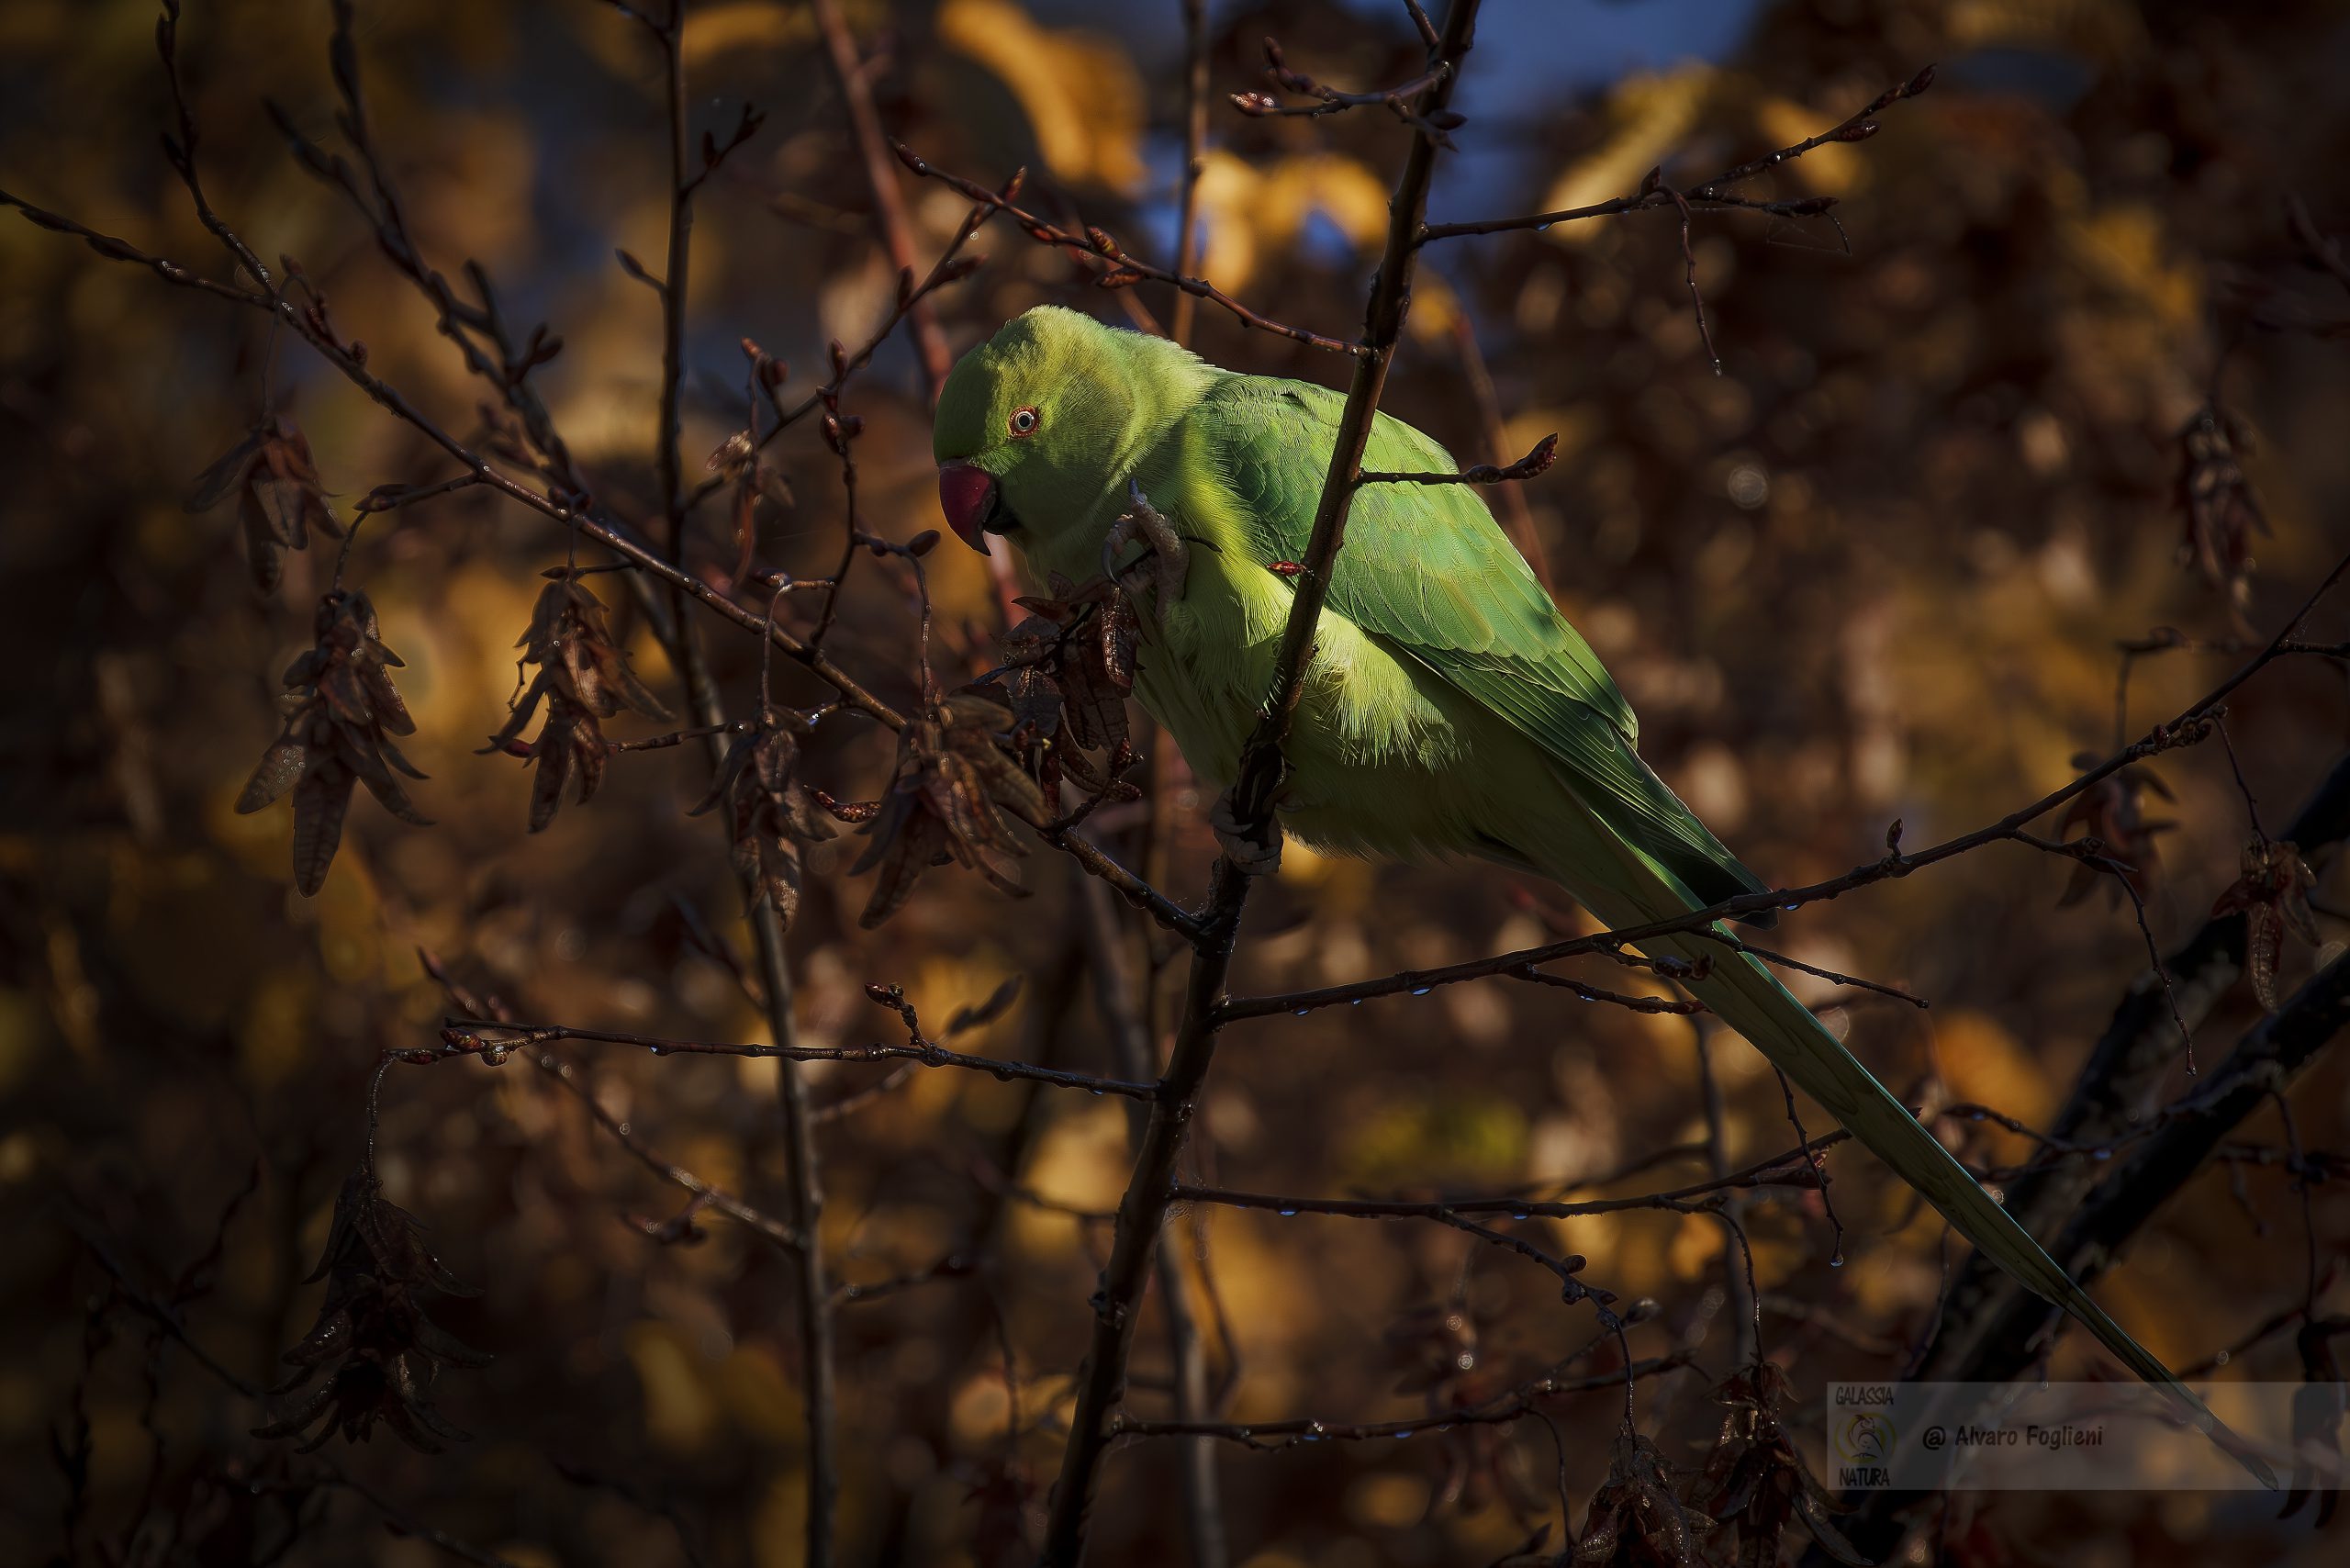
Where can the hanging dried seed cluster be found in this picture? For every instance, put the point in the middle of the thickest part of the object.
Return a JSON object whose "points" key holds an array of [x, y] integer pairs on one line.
{"points": [[1069, 670], [583, 677], [1635, 1520], [2113, 813], [372, 1331], [953, 771], [1755, 1480], [771, 815], [2223, 516], [279, 498], [340, 714], [2273, 895]]}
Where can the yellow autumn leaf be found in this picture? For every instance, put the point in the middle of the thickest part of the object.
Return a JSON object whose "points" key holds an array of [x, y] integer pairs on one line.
{"points": [[713, 32], [1227, 191], [1649, 117], [679, 1414], [758, 1395], [1436, 311], [1082, 1160], [1081, 94], [2123, 246], [25, 1032], [1247, 211], [2100, 30], [1341, 189], [275, 1033], [1839, 168], [779, 1530], [1986, 1065]]}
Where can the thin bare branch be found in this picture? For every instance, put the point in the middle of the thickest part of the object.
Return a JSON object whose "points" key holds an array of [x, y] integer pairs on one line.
{"points": [[1143, 1211], [474, 1036], [1115, 268], [1716, 191], [116, 250], [1537, 461], [1527, 1399]]}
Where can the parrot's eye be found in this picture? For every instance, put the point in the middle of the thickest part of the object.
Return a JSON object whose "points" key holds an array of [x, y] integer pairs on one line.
{"points": [[1024, 422]]}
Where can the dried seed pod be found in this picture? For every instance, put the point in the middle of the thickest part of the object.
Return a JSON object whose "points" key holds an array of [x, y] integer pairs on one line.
{"points": [[341, 711], [943, 805], [583, 677], [771, 815], [279, 498], [373, 1338]]}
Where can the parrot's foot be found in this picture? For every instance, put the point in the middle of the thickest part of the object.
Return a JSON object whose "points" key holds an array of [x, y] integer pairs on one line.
{"points": [[1251, 855], [1170, 559]]}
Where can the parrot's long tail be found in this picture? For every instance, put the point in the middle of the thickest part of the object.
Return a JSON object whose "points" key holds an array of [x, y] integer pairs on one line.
{"points": [[1631, 890]]}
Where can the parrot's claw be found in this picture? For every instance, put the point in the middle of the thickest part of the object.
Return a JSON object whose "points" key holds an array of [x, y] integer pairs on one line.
{"points": [[1169, 558], [1251, 855]]}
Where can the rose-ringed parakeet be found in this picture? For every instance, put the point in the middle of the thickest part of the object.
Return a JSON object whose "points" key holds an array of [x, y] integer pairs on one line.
{"points": [[1450, 708]]}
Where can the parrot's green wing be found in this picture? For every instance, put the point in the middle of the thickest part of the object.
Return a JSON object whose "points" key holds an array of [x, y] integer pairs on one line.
{"points": [[1427, 568], [1428, 575]]}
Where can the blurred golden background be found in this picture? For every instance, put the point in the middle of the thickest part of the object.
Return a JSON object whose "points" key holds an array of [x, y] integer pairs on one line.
{"points": [[1876, 570]]}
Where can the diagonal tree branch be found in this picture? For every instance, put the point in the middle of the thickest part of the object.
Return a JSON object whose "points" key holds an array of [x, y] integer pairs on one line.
{"points": [[2115, 1092], [2262, 1067], [1132, 1053], [1143, 1211]]}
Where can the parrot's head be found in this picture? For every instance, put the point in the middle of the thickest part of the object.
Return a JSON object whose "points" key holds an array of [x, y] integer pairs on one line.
{"points": [[1045, 419]]}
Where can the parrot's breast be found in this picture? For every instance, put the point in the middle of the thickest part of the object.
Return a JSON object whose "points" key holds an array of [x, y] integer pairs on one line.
{"points": [[1380, 743], [1386, 758]]}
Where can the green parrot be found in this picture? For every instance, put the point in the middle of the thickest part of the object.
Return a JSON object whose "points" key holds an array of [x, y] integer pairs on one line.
{"points": [[1449, 708]]}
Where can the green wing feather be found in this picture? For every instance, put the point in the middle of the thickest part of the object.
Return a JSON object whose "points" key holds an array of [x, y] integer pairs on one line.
{"points": [[1427, 568]]}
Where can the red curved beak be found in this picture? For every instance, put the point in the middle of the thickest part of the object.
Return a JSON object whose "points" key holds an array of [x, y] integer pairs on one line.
{"points": [[967, 495]]}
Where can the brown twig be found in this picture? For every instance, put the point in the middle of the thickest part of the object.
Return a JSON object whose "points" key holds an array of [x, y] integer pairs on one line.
{"points": [[1131, 1052], [1324, 99], [1517, 516], [1518, 1403], [116, 250], [1115, 267], [473, 1036], [1792, 1169], [1740, 1292], [954, 1266], [1538, 461], [1715, 192], [705, 1193], [1658, 1004], [952, 266]]}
